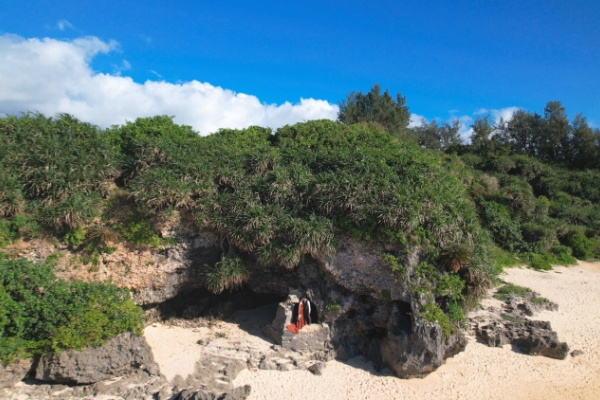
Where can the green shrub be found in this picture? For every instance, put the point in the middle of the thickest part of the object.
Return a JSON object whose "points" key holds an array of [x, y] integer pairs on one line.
{"points": [[20, 226], [510, 318], [333, 307], [541, 262], [392, 263], [75, 237], [42, 314], [433, 313], [139, 232], [108, 249], [540, 300], [583, 248], [450, 285], [562, 255]]}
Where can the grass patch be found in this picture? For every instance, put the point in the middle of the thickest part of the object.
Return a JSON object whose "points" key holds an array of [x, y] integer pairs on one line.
{"points": [[510, 289], [510, 318], [540, 300]]}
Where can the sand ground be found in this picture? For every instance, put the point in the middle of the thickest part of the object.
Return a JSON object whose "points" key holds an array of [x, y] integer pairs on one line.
{"points": [[480, 372]]}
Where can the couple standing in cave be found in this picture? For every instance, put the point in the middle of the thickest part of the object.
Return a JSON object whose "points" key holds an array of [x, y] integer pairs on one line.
{"points": [[301, 315]]}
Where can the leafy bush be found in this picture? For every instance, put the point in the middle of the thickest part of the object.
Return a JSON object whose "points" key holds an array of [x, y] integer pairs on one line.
{"points": [[139, 232], [433, 313], [583, 247], [450, 285], [41, 314], [562, 255], [75, 237], [392, 262], [541, 262], [17, 227], [385, 294]]}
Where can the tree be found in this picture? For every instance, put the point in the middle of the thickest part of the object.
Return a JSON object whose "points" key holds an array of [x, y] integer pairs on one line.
{"points": [[391, 114], [436, 137], [448, 134], [523, 132], [555, 133], [584, 144], [428, 135], [482, 135]]}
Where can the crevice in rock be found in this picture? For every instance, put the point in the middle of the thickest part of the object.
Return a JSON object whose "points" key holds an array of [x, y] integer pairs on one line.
{"points": [[201, 303]]}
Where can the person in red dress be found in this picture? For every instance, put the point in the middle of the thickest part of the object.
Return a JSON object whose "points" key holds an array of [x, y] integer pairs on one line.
{"points": [[296, 326]]}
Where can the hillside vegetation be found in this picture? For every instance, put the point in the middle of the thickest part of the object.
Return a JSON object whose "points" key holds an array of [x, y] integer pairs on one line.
{"points": [[277, 197]]}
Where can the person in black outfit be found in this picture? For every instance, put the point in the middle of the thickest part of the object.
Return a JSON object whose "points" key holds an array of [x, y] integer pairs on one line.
{"points": [[307, 309]]}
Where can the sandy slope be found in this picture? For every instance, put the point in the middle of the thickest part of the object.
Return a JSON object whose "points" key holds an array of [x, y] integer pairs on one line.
{"points": [[478, 373]]}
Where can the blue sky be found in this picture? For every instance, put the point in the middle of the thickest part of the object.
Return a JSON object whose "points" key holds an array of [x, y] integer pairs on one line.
{"points": [[450, 59]]}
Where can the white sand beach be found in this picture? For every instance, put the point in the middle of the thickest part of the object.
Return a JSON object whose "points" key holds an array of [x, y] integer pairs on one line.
{"points": [[480, 372]]}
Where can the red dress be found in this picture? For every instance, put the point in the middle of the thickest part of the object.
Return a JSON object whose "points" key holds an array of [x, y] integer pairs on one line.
{"points": [[295, 327]]}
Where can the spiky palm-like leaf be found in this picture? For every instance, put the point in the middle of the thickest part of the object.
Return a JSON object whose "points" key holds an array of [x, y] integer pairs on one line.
{"points": [[229, 273], [455, 258]]}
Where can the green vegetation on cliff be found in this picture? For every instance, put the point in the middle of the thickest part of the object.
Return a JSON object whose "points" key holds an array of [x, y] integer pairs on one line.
{"points": [[529, 188]]}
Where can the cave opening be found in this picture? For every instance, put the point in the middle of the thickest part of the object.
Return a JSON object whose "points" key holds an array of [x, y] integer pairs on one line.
{"points": [[201, 303]]}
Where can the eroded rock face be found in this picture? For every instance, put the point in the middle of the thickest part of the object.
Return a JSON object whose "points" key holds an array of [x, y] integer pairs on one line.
{"points": [[346, 288], [123, 355], [13, 373], [153, 275], [357, 267], [509, 324], [531, 337]]}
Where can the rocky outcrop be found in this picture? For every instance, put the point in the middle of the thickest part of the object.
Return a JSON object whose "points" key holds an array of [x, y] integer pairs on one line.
{"points": [[531, 337], [419, 352], [124, 355], [239, 393], [13, 373], [314, 338], [509, 324], [359, 319]]}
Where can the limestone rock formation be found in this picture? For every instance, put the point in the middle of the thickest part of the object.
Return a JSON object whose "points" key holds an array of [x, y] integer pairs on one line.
{"points": [[531, 337], [14, 372], [126, 354], [509, 324]]}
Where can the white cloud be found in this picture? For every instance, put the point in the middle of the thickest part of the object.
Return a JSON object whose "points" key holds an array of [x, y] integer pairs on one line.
{"points": [[63, 24], [504, 113], [465, 130], [51, 76], [416, 120]]}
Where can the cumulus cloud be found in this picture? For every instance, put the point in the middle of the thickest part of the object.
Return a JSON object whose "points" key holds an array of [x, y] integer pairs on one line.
{"points": [[51, 76], [497, 114], [416, 120]]}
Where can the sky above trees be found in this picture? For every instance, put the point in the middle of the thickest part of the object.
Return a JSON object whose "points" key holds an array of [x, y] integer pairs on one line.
{"points": [[238, 63]]}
